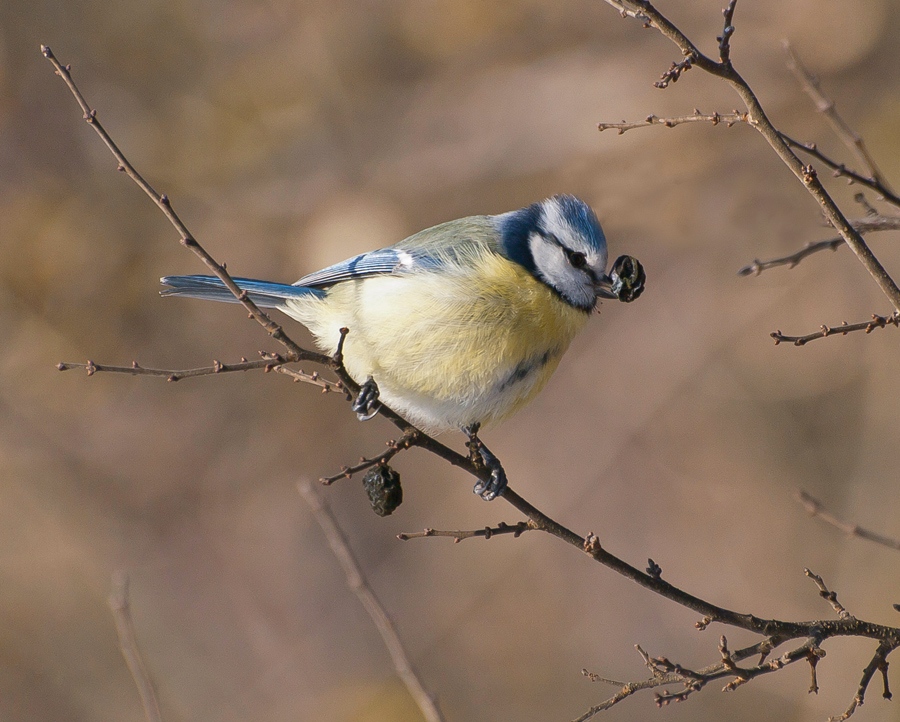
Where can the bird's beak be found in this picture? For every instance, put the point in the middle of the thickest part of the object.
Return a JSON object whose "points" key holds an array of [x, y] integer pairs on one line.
{"points": [[604, 287]]}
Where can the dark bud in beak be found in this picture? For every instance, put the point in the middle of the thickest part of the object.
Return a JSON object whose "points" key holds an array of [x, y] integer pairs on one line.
{"points": [[625, 281]]}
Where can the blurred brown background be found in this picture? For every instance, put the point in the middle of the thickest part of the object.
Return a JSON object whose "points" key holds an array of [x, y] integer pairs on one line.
{"points": [[290, 135]]}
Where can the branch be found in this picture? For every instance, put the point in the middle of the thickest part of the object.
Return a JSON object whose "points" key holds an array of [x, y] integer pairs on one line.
{"points": [[845, 328], [792, 259], [358, 584], [665, 673], [268, 362], [815, 508], [757, 118], [826, 106], [715, 118], [121, 611], [502, 528], [865, 225]]}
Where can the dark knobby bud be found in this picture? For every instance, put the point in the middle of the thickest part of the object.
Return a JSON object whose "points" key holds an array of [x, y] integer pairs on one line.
{"points": [[628, 278], [382, 484]]}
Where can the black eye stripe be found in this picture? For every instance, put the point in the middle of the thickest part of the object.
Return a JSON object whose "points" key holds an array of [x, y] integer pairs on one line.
{"points": [[576, 259]]}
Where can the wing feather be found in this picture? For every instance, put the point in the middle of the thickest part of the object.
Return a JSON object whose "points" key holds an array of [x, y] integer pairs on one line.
{"points": [[424, 251]]}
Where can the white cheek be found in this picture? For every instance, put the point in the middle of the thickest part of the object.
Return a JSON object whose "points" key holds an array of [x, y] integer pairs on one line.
{"points": [[549, 261]]}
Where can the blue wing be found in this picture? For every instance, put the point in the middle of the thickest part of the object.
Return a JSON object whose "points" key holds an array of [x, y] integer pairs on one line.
{"points": [[424, 251], [373, 263]]}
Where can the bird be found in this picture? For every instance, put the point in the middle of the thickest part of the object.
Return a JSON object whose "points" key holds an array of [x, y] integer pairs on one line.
{"points": [[459, 325]]}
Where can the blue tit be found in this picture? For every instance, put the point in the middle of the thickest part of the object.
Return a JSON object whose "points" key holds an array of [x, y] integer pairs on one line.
{"points": [[459, 325]]}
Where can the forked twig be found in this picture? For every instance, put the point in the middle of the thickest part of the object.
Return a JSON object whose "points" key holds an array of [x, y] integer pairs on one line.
{"points": [[665, 673], [407, 441], [826, 106], [878, 663]]}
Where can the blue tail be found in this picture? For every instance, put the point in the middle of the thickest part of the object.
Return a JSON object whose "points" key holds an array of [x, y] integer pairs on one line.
{"points": [[263, 293]]}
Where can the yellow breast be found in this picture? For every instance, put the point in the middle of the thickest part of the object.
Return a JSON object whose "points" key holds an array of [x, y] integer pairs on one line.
{"points": [[473, 343]]}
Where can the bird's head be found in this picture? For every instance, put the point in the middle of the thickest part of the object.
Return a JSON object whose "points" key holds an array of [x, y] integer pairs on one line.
{"points": [[560, 241]]}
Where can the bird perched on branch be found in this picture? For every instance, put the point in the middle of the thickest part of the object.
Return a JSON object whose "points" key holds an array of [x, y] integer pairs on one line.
{"points": [[459, 325]]}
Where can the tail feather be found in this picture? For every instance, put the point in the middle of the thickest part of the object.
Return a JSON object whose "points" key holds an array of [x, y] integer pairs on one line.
{"points": [[265, 294]]}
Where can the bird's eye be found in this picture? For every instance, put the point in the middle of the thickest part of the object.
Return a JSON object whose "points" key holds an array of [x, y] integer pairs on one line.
{"points": [[577, 259]]}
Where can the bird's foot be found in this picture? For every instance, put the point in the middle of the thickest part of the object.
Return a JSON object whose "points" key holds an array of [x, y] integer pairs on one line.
{"points": [[480, 454], [366, 403]]}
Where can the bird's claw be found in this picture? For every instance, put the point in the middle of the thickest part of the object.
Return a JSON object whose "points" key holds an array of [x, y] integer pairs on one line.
{"points": [[366, 403], [490, 490], [494, 487]]}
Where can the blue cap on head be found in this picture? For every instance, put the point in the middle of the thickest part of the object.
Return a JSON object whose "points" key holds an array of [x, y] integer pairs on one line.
{"points": [[582, 219], [516, 226]]}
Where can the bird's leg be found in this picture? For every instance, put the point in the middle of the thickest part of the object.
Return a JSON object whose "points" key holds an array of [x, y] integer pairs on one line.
{"points": [[366, 403], [479, 453]]}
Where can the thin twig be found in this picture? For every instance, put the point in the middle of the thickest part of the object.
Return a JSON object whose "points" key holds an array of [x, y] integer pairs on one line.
{"points": [[268, 362], [728, 119], [870, 224], [792, 259], [674, 72], [407, 441], [826, 106], [489, 531], [815, 508], [736, 117], [842, 330], [121, 611], [358, 584], [727, 31], [828, 595], [313, 379]]}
